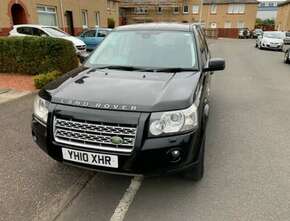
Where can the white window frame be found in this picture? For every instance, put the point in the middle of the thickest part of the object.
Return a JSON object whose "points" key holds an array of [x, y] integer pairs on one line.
{"points": [[85, 18], [195, 9], [140, 11], [185, 4], [47, 11], [159, 10], [236, 8], [174, 10], [213, 8]]}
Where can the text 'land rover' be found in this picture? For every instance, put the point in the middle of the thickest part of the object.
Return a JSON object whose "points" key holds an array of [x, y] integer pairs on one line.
{"points": [[138, 106]]}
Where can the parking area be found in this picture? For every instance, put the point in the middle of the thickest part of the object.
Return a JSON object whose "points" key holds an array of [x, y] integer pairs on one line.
{"points": [[247, 171]]}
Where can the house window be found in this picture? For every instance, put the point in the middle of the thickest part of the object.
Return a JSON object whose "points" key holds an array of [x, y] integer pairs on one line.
{"points": [[176, 10], [240, 24], [213, 9], [85, 18], [236, 9], [98, 18], [195, 9], [212, 24], [159, 10], [108, 4], [47, 15], [228, 24], [185, 7], [140, 11]]}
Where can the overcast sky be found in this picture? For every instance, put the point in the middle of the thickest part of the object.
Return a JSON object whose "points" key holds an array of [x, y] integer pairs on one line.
{"points": [[271, 0]]}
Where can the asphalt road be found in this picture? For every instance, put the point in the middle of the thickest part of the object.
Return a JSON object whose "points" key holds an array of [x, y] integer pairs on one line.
{"points": [[247, 174]]}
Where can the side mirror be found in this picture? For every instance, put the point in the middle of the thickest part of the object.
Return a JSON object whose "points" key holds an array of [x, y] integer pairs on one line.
{"points": [[215, 64]]}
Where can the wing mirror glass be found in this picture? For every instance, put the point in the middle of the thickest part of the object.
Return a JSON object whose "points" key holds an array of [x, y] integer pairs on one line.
{"points": [[215, 64]]}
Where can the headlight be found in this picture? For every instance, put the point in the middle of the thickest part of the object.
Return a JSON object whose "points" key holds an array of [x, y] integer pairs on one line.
{"points": [[174, 121], [41, 109]]}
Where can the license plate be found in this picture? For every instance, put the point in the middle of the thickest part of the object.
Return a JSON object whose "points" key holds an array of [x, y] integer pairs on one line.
{"points": [[90, 158]]}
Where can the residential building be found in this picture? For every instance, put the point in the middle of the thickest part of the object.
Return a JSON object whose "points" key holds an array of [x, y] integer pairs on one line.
{"points": [[283, 16], [71, 15], [268, 9], [136, 11], [230, 13], [211, 13]]}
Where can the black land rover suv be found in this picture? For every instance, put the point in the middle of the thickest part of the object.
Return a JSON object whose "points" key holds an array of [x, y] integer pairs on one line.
{"points": [[138, 105]]}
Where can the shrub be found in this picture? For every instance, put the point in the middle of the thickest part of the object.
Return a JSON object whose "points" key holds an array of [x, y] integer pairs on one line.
{"points": [[43, 79], [34, 55], [111, 23]]}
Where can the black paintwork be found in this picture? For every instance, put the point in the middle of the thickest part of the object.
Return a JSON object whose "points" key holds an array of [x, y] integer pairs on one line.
{"points": [[77, 94]]}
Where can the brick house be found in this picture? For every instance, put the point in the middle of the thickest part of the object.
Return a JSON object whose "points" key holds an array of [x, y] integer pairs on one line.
{"points": [[283, 16], [211, 13], [71, 15]]}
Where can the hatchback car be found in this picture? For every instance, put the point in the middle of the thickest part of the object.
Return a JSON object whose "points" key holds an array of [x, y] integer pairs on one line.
{"points": [[271, 40], [244, 33], [257, 32], [93, 37], [138, 105], [49, 31]]}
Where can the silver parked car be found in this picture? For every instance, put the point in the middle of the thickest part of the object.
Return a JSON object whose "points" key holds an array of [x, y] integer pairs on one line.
{"points": [[271, 40]]}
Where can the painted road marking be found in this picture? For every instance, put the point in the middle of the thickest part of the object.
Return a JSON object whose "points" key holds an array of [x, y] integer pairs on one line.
{"points": [[127, 199]]}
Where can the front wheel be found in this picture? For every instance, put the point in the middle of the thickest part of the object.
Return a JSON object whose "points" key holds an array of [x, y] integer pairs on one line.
{"points": [[286, 57], [196, 172]]}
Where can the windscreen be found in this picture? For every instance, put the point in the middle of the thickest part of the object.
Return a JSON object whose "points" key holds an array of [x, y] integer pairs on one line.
{"points": [[152, 49], [277, 35]]}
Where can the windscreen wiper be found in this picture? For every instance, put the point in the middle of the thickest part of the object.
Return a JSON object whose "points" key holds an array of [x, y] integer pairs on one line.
{"points": [[117, 67], [175, 70]]}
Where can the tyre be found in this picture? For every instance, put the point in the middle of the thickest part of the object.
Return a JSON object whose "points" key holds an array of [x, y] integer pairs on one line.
{"points": [[196, 172], [286, 57]]}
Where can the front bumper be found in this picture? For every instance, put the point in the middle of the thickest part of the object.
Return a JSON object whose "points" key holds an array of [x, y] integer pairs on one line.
{"points": [[271, 46], [150, 157]]}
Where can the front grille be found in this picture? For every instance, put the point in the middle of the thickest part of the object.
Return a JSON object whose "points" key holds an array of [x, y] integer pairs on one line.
{"points": [[81, 47], [94, 135]]}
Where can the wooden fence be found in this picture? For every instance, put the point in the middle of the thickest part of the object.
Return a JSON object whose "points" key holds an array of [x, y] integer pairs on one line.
{"points": [[222, 32]]}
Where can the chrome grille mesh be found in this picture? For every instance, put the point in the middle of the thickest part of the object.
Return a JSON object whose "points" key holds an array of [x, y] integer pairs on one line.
{"points": [[94, 135]]}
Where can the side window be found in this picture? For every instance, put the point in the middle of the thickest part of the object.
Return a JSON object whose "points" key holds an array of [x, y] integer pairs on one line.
{"points": [[102, 34], [25, 30], [89, 34], [38, 32], [202, 46]]}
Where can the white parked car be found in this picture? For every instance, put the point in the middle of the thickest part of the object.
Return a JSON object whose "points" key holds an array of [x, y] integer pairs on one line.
{"points": [[49, 31], [271, 40]]}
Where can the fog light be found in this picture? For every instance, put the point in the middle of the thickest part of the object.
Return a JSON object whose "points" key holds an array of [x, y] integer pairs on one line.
{"points": [[34, 138], [174, 155]]}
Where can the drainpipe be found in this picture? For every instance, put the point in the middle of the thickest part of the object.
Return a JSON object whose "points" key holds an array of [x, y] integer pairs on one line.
{"points": [[62, 14], [201, 9]]}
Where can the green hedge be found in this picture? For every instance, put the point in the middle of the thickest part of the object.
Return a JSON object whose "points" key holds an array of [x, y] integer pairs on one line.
{"points": [[43, 79], [34, 55], [111, 23]]}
